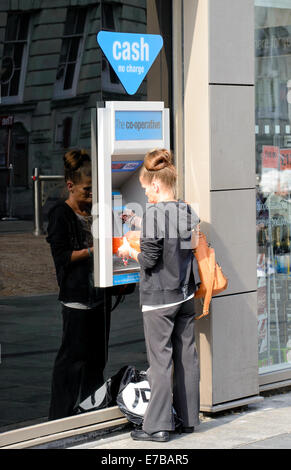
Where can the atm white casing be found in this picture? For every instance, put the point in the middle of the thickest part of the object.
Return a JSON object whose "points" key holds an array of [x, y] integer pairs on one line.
{"points": [[105, 149]]}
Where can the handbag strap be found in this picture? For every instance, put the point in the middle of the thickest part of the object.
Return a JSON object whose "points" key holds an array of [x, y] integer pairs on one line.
{"points": [[209, 288]]}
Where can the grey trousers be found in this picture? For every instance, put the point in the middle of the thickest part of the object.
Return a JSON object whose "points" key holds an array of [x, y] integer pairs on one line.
{"points": [[173, 371]]}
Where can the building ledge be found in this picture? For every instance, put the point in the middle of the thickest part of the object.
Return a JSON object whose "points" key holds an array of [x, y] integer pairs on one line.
{"points": [[18, 108], [72, 101]]}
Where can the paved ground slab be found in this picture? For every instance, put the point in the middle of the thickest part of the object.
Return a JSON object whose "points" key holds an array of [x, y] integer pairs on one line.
{"points": [[265, 425]]}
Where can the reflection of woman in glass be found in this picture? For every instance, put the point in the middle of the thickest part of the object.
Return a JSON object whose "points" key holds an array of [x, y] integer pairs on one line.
{"points": [[130, 218], [167, 289], [80, 362]]}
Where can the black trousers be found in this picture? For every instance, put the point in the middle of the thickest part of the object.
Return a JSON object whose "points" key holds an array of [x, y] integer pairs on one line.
{"points": [[174, 371], [81, 359]]}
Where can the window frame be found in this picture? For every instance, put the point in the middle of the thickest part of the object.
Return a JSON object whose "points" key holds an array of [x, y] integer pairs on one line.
{"points": [[59, 117], [14, 99], [108, 85], [60, 93]]}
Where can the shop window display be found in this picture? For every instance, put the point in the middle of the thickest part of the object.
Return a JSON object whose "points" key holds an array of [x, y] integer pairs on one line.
{"points": [[68, 51], [273, 167]]}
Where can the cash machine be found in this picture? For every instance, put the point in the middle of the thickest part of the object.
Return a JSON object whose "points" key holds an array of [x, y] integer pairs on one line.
{"points": [[122, 133]]}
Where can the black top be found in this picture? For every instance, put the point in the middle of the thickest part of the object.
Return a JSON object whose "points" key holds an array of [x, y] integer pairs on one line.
{"points": [[66, 234], [169, 271]]}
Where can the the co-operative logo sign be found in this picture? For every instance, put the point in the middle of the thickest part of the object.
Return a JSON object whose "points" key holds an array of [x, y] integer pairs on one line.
{"points": [[130, 55]]}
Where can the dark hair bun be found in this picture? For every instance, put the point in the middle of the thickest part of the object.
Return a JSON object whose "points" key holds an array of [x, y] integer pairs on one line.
{"points": [[77, 164], [158, 160], [74, 159], [159, 164]]}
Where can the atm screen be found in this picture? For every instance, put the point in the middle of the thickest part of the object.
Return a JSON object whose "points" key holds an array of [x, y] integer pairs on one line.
{"points": [[138, 125], [124, 270]]}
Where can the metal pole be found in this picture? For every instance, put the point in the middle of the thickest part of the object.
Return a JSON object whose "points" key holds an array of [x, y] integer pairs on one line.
{"points": [[10, 195], [37, 215], [10, 189]]}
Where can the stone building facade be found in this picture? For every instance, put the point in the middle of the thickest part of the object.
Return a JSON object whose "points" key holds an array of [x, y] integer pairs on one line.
{"points": [[52, 74]]}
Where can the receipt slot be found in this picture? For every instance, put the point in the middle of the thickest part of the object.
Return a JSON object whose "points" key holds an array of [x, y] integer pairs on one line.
{"points": [[122, 133]]}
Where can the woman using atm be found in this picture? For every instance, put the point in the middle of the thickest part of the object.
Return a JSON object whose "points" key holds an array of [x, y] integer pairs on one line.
{"points": [[169, 232]]}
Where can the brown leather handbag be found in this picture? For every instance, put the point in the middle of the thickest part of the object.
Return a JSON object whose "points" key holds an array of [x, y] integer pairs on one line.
{"points": [[213, 281]]}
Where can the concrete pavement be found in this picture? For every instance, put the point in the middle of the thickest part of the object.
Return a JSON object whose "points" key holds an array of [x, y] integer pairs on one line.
{"points": [[31, 327], [16, 226], [265, 425]]}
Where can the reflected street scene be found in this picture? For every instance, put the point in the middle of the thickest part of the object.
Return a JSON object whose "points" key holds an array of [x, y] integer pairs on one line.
{"points": [[273, 169], [53, 75], [31, 328]]}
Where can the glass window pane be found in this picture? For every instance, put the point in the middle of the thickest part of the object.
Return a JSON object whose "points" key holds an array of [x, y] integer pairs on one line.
{"points": [[11, 27], [60, 71], [273, 167], [74, 49], [8, 50], [69, 77], [70, 48], [80, 21], [70, 21], [23, 27], [108, 17], [113, 77], [14, 83], [4, 89], [64, 50], [18, 51], [7, 69]]}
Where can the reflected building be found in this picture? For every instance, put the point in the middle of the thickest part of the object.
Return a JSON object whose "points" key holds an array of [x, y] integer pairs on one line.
{"points": [[273, 165], [52, 75]]}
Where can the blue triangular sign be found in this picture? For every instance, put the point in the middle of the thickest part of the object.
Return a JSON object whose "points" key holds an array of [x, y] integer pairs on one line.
{"points": [[130, 55]]}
